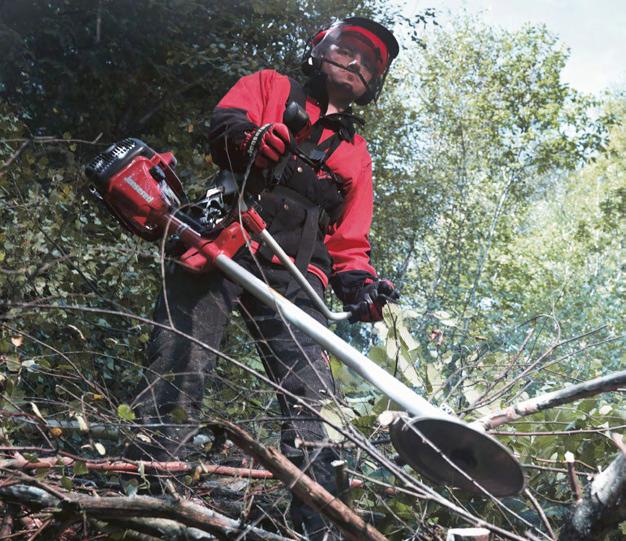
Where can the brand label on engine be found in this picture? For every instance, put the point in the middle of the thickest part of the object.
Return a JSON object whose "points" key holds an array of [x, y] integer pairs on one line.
{"points": [[145, 195]]}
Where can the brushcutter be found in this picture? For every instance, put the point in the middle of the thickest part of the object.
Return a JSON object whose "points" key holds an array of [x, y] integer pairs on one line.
{"points": [[141, 189]]}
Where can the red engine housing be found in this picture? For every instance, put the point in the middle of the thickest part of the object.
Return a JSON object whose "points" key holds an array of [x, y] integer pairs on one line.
{"points": [[142, 191], [138, 185]]}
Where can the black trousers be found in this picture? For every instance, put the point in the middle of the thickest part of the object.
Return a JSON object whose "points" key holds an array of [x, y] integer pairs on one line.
{"points": [[174, 382]]}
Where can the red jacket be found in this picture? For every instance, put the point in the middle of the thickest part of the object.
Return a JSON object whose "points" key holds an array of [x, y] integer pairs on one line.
{"points": [[259, 99]]}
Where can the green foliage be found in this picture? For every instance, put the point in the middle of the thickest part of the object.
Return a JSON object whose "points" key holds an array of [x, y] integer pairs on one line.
{"points": [[569, 256]]}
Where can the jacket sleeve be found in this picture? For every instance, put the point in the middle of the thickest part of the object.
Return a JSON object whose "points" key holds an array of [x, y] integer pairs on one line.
{"points": [[349, 244], [238, 114]]}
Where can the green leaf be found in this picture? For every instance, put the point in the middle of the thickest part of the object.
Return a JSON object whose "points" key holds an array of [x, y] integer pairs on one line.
{"points": [[408, 340], [338, 415], [435, 376], [13, 362], [125, 412], [407, 369], [445, 318], [80, 468], [179, 415]]}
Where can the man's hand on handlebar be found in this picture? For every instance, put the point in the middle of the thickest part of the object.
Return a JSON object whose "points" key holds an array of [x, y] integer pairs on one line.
{"points": [[370, 300], [269, 144]]}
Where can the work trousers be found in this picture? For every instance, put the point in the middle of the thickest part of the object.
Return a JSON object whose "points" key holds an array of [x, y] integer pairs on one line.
{"points": [[174, 383]]}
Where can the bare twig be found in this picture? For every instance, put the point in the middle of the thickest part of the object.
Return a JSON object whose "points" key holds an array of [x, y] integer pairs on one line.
{"points": [[14, 157], [540, 511], [44, 139], [540, 433], [98, 22], [540, 363]]}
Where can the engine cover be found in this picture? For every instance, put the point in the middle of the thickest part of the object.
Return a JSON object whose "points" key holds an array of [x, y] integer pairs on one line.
{"points": [[137, 184]]}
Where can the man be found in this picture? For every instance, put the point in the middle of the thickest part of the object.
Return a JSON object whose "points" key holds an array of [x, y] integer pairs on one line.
{"points": [[320, 212]]}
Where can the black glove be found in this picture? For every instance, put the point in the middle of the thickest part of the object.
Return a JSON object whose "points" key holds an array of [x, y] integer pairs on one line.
{"points": [[370, 299]]}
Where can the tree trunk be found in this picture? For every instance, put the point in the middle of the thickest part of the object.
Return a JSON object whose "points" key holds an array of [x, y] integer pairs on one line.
{"points": [[602, 507]]}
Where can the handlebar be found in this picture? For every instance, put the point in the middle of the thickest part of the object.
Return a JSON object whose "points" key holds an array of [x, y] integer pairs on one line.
{"points": [[302, 281]]}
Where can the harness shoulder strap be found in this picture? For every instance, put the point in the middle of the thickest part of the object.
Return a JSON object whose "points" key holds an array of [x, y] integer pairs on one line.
{"points": [[296, 93], [324, 150]]}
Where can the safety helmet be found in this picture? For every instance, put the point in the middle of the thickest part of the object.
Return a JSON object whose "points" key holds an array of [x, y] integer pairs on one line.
{"points": [[356, 44]]}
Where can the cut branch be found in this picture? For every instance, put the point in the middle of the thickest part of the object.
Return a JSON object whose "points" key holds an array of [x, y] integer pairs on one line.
{"points": [[550, 400], [311, 493], [570, 460]]}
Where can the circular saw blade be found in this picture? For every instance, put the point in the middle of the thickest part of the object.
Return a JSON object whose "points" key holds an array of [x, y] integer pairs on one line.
{"points": [[485, 462]]}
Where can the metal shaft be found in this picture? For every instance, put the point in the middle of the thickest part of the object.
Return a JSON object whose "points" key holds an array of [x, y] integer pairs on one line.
{"points": [[370, 371]]}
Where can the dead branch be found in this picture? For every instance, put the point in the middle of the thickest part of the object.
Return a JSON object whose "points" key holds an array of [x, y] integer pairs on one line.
{"points": [[351, 525], [157, 528], [128, 533], [550, 400], [468, 534], [6, 524], [21, 463], [140, 510], [418, 489], [14, 156], [603, 505]]}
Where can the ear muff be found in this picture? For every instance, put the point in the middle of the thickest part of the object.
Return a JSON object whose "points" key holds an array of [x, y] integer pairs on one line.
{"points": [[309, 65]]}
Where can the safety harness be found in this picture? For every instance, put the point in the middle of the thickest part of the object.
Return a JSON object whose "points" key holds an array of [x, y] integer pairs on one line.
{"points": [[299, 210]]}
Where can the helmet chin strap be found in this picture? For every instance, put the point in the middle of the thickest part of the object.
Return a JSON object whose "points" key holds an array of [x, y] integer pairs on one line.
{"points": [[352, 69]]}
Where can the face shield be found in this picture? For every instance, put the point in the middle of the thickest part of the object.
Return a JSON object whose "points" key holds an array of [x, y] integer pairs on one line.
{"points": [[354, 49]]}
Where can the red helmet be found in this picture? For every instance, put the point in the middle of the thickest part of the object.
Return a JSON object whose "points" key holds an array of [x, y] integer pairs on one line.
{"points": [[360, 45]]}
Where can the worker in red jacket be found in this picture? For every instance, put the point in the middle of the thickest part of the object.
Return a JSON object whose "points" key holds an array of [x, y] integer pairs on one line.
{"points": [[320, 212]]}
